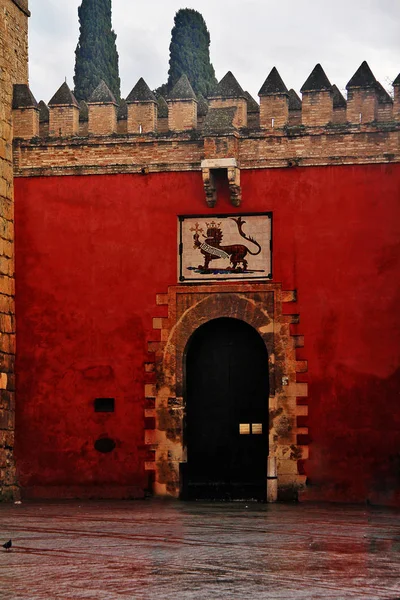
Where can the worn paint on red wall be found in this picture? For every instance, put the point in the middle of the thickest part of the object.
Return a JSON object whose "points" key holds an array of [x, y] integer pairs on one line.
{"points": [[92, 253]]}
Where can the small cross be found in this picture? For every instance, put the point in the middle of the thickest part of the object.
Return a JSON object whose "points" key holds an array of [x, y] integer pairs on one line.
{"points": [[197, 229]]}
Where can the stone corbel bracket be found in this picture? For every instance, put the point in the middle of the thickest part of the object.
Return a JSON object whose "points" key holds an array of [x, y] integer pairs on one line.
{"points": [[209, 186], [229, 165]]}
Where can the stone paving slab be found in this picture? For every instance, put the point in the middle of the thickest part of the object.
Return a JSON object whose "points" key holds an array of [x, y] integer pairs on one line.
{"points": [[168, 549]]}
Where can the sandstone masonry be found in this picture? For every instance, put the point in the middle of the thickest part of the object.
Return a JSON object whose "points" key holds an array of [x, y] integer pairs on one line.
{"points": [[13, 70]]}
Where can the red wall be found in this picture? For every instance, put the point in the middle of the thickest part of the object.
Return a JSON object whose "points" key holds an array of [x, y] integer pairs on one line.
{"points": [[92, 253]]}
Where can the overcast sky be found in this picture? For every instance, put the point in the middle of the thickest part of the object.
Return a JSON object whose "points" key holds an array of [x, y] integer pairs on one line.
{"points": [[248, 37]]}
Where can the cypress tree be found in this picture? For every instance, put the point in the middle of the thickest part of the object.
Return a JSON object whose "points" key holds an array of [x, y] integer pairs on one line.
{"points": [[190, 52], [96, 55]]}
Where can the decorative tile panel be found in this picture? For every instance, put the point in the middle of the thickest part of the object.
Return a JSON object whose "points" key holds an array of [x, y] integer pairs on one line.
{"points": [[222, 247]]}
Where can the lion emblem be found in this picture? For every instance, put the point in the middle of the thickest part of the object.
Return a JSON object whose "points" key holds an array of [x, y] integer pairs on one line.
{"points": [[212, 249]]}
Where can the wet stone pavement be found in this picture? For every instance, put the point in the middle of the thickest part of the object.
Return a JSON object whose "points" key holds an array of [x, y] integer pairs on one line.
{"points": [[170, 549]]}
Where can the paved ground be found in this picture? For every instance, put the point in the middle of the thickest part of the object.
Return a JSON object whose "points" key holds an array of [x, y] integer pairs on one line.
{"points": [[160, 549]]}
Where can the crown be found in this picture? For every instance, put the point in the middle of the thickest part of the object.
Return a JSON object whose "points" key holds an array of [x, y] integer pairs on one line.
{"points": [[213, 225]]}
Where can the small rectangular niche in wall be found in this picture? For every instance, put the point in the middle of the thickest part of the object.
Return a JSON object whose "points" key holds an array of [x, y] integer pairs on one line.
{"points": [[104, 405]]}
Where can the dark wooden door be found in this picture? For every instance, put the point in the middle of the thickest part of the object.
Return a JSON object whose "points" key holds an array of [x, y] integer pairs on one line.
{"points": [[227, 390]]}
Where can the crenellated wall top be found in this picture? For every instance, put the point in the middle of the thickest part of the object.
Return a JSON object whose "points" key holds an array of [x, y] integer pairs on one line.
{"points": [[281, 130]]}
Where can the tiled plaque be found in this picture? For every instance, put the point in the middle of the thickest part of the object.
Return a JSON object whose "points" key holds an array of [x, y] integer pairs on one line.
{"points": [[225, 247]]}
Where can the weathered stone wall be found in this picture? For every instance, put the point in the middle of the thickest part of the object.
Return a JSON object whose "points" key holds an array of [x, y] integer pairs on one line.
{"points": [[25, 123], [240, 118], [270, 106], [361, 106], [103, 119], [64, 121], [317, 108], [142, 117], [182, 115], [13, 69], [297, 146]]}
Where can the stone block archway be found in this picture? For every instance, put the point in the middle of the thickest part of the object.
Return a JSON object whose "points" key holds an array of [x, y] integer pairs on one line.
{"points": [[189, 307]]}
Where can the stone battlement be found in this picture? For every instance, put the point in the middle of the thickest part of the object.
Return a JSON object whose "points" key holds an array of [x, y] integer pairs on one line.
{"points": [[322, 104], [182, 132]]}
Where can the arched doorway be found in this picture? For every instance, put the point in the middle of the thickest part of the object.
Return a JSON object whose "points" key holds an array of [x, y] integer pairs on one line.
{"points": [[226, 399]]}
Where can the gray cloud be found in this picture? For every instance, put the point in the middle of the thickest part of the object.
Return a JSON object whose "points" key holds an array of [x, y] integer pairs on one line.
{"points": [[248, 37]]}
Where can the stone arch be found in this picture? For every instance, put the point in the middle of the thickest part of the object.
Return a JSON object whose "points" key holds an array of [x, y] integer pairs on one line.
{"points": [[212, 307], [259, 305]]}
